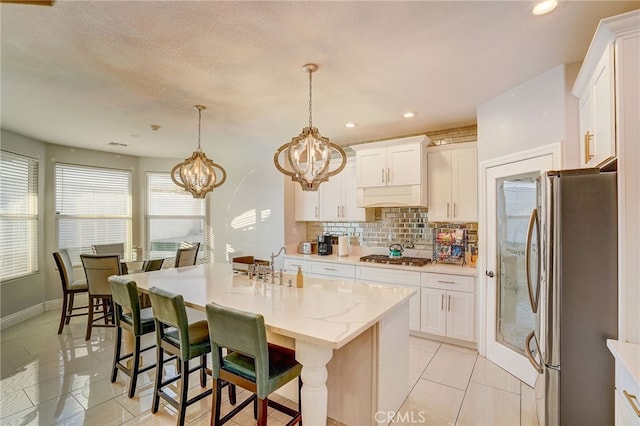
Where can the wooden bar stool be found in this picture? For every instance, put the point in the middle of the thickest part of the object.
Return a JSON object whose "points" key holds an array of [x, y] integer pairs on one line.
{"points": [[97, 269], [70, 287], [250, 363]]}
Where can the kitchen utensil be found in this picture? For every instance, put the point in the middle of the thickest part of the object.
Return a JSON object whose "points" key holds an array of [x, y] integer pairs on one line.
{"points": [[395, 250]]}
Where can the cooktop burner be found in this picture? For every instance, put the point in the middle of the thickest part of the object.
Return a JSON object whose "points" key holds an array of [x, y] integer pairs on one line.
{"points": [[405, 260]]}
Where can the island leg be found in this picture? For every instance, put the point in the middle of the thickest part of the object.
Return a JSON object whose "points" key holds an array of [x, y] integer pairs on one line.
{"points": [[314, 359]]}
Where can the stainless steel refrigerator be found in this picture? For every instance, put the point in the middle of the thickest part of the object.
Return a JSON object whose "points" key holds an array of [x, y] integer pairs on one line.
{"points": [[572, 264]]}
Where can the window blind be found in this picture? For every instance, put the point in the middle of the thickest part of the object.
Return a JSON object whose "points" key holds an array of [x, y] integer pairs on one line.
{"points": [[173, 216], [93, 206], [18, 215]]}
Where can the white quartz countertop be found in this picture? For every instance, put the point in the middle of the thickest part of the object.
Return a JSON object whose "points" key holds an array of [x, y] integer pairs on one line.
{"points": [[327, 312], [440, 268], [628, 354]]}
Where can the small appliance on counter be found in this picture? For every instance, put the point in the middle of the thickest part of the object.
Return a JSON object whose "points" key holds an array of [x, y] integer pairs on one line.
{"points": [[308, 247], [325, 245]]}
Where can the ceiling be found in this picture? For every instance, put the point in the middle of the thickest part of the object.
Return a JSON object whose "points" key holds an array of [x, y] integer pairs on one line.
{"points": [[85, 74]]}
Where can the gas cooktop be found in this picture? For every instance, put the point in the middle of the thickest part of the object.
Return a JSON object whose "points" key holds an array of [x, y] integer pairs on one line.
{"points": [[405, 260]]}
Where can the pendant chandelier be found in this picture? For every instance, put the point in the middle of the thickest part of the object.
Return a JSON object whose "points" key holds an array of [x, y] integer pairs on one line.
{"points": [[197, 174], [308, 156]]}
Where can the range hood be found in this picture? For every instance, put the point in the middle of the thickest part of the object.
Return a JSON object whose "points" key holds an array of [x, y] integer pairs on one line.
{"points": [[392, 196]]}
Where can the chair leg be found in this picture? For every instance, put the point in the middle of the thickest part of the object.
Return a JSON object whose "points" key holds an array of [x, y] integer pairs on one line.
{"points": [[63, 315], [215, 406], [300, 399], [136, 366], [184, 390], [159, 373], [203, 371], [262, 411], [232, 394], [90, 319], [116, 355], [70, 307]]}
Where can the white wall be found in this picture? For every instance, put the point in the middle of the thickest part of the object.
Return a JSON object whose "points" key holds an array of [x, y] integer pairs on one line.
{"points": [[247, 212], [536, 113], [26, 292]]}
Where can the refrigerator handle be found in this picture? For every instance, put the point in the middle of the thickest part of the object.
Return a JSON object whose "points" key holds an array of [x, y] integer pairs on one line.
{"points": [[527, 352], [533, 220]]}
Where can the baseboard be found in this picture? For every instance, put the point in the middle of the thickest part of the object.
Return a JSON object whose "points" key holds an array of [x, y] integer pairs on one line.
{"points": [[23, 315]]}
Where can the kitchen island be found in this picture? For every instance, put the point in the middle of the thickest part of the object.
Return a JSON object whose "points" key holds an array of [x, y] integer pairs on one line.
{"points": [[362, 328]]}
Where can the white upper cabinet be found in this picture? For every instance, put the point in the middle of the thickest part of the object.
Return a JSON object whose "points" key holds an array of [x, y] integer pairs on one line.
{"points": [[452, 181], [306, 204], [334, 201], [337, 197], [597, 113], [390, 166], [392, 172]]}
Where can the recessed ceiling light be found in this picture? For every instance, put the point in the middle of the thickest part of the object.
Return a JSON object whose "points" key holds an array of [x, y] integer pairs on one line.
{"points": [[409, 114], [350, 125], [542, 7]]}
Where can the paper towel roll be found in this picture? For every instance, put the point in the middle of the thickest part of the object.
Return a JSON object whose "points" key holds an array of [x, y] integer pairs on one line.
{"points": [[343, 245]]}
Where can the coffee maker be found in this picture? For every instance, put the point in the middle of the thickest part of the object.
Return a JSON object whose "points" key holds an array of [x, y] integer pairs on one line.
{"points": [[324, 244]]}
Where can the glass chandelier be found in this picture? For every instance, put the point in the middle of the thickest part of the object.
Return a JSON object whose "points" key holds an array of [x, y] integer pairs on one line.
{"points": [[197, 174], [307, 157]]}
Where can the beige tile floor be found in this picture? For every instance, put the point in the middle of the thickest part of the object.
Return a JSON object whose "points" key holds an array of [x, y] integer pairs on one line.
{"points": [[48, 379]]}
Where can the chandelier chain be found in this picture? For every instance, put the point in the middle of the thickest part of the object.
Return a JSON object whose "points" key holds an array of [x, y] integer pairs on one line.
{"points": [[199, 121], [310, 86]]}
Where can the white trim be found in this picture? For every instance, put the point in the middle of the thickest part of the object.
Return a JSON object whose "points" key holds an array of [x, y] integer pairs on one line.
{"points": [[23, 315], [555, 149]]}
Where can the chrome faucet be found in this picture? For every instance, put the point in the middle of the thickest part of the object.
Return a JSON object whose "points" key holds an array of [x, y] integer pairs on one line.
{"points": [[273, 256]]}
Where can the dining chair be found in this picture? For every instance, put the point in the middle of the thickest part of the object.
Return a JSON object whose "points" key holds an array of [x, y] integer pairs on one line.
{"points": [[131, 317], [251, 363], [98, 269], [152, 265], [176, 336], [187, 256], [117, 248], [70, 287]]}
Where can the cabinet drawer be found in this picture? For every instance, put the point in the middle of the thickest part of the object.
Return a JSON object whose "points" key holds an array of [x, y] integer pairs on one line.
{"points": [[448, 282], [389, 276], [291, 265], [332, 269], [627, 388]]}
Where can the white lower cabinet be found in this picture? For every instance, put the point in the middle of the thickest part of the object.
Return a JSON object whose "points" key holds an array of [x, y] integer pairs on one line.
{"points": [[332, 270], [445, 312], [397, 278], [291, 265]]}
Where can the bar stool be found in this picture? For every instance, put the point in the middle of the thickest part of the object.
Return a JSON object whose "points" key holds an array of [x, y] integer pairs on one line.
{"points": [[97, 269], [138, 322], [250, 363], [176, 336], [70, 287]]}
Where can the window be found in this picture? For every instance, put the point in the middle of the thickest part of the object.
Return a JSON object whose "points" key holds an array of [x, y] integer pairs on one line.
{"points": [[173, 216], [93, 206], [18, 215]]}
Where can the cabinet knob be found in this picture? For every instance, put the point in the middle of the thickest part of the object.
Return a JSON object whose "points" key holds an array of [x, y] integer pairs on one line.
{"points": [[489, 274]]}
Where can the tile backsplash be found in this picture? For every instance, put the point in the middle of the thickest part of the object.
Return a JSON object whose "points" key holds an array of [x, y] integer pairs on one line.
{"points": [[391, 225], [400, 224]]}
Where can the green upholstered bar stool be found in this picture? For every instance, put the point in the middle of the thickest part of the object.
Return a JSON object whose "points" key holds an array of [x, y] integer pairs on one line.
{"points": [[97, 270], [129, 316], [70, 287], [176, 336], [250, 363]]}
